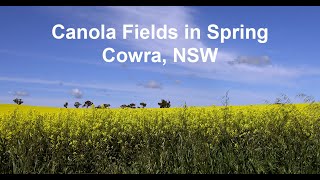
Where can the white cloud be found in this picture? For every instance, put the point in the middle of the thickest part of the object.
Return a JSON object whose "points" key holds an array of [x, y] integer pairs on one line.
{"points": [[76, 93], [177, 17], [173, 16]]}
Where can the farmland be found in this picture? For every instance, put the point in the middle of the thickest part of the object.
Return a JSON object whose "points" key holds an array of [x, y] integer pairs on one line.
{"points": [[282, 138]]}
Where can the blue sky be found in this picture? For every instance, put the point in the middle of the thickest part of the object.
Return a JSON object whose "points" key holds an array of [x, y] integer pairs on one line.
{"points": [[46, 71]]}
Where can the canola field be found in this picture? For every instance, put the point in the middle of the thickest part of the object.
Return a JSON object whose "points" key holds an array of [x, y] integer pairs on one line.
{"points": [[217, 139]]}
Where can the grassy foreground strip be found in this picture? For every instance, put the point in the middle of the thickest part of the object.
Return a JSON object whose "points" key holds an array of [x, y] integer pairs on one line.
{"points": [[231, 139]]}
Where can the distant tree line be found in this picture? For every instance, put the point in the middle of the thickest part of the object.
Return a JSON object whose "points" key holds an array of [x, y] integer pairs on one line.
{"points": [[87, 104], [133, 105]]}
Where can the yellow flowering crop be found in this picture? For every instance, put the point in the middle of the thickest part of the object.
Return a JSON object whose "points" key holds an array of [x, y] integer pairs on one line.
{"points": [[233, 139]]}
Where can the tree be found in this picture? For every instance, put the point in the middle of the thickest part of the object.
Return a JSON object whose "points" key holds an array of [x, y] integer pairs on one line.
{"points": [[123, 106], [105, 105], [18, 101], [143, 105], [132, 105], [164, 104], [87, 104], [66, 105], [77, 104], [98, 107]]}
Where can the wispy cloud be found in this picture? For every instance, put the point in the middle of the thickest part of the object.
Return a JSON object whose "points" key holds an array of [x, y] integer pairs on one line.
{"points": [[29, 80], [193, 96], [252, 60], [177, 81], [152, 84], [53, 58], [19, 93], [104, 87]]}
